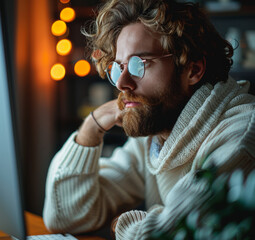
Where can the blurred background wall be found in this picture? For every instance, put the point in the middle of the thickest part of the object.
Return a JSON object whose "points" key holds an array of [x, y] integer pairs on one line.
{"points": [[35, 54], [53, 102]]}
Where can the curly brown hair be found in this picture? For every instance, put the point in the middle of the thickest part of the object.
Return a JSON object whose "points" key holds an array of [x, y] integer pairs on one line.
{"points": [[184, 30]]}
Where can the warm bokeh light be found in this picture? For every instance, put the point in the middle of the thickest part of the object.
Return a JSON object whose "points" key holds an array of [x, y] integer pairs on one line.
{"points": [[67, 14], [58, 28], [82, 68], [64, 47], [64, 1], [57, 71]]}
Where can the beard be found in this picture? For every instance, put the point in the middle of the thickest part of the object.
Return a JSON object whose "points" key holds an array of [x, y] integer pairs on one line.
{"points": [[154, 115]]}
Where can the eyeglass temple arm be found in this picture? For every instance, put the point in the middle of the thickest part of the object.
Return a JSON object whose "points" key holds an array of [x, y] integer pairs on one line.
{"points": [[168, 55]]}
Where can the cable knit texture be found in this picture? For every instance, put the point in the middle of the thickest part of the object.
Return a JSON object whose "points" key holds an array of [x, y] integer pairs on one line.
{"points": [[217, 126]]}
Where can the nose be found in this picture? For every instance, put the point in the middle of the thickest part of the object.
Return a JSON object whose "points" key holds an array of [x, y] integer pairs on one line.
{"points": [[125, 82]]}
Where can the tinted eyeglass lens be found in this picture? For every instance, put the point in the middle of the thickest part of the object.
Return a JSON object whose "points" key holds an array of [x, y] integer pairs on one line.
{"points": [[136, 67], [114, 72]]}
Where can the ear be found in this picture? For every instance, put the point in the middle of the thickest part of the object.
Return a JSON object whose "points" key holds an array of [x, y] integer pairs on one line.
{"points": [[196, 71]]}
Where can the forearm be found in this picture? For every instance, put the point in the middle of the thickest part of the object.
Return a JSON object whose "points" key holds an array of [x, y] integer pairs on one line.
{"points": [[77, 189], [184, 197], [72, 173]]}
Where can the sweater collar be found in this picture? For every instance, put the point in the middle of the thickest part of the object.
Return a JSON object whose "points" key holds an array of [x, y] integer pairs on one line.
{"points": [[200, 115]]}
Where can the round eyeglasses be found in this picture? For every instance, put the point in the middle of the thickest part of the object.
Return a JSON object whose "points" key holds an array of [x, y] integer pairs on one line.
{"points": [[135, 67]]}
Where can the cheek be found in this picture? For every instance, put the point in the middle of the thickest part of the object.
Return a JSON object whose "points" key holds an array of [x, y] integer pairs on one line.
{"points": [[159, 79]]}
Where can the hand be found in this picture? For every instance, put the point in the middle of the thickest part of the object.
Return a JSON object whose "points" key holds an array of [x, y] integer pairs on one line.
{"points": [[113, 227], [107, 115]]}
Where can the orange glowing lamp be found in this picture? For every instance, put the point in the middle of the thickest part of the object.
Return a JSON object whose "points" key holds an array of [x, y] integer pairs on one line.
{"points": [[64, 47], [67, 14], [58, 72], [64, 1], [82, 68], [58, 28]]}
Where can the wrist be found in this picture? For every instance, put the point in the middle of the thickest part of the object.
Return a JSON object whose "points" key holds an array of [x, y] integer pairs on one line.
{"points": [[89, 134], [99, 125]]}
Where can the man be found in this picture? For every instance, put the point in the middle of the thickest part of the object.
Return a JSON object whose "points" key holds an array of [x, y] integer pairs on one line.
{"points": [[179, 107]]}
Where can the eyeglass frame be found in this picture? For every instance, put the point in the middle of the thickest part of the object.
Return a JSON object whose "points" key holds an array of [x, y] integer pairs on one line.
{"points": [[121, 65]]}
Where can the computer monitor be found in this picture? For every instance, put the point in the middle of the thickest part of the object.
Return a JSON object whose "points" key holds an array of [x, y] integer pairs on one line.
{"points": [[11, 204]]}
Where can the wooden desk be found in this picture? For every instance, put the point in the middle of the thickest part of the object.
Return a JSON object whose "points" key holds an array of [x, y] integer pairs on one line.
{"points": [[35, 226]]}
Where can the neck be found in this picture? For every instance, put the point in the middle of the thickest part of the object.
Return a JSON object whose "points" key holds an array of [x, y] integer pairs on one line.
{"points": [[163, 137]]}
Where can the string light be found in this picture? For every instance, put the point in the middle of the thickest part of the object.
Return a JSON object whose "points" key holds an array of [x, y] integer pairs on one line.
{"points": [[82, 68], [64, 1], [67, 14], [64, 47], [58, 28], [58, 72]]}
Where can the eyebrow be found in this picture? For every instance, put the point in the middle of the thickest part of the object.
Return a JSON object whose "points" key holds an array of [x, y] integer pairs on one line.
{"points": [[140, 54]]}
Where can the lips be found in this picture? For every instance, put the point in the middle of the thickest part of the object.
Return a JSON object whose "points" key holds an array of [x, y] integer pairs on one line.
{"points": [[129, 104], [128, 101]]}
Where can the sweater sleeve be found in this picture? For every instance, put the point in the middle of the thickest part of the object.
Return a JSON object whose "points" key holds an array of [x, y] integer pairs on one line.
{"points": [[83, 190], [184, 197], [230, 146]]}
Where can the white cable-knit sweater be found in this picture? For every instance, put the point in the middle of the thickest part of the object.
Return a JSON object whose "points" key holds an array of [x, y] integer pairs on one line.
{"points": [[217, 126]]}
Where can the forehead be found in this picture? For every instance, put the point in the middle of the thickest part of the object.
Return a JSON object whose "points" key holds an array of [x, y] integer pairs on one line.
{"points": [[135, 39]]}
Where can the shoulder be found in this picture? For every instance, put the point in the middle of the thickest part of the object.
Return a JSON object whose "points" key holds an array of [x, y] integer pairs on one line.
{"points": [[230, 143]]}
